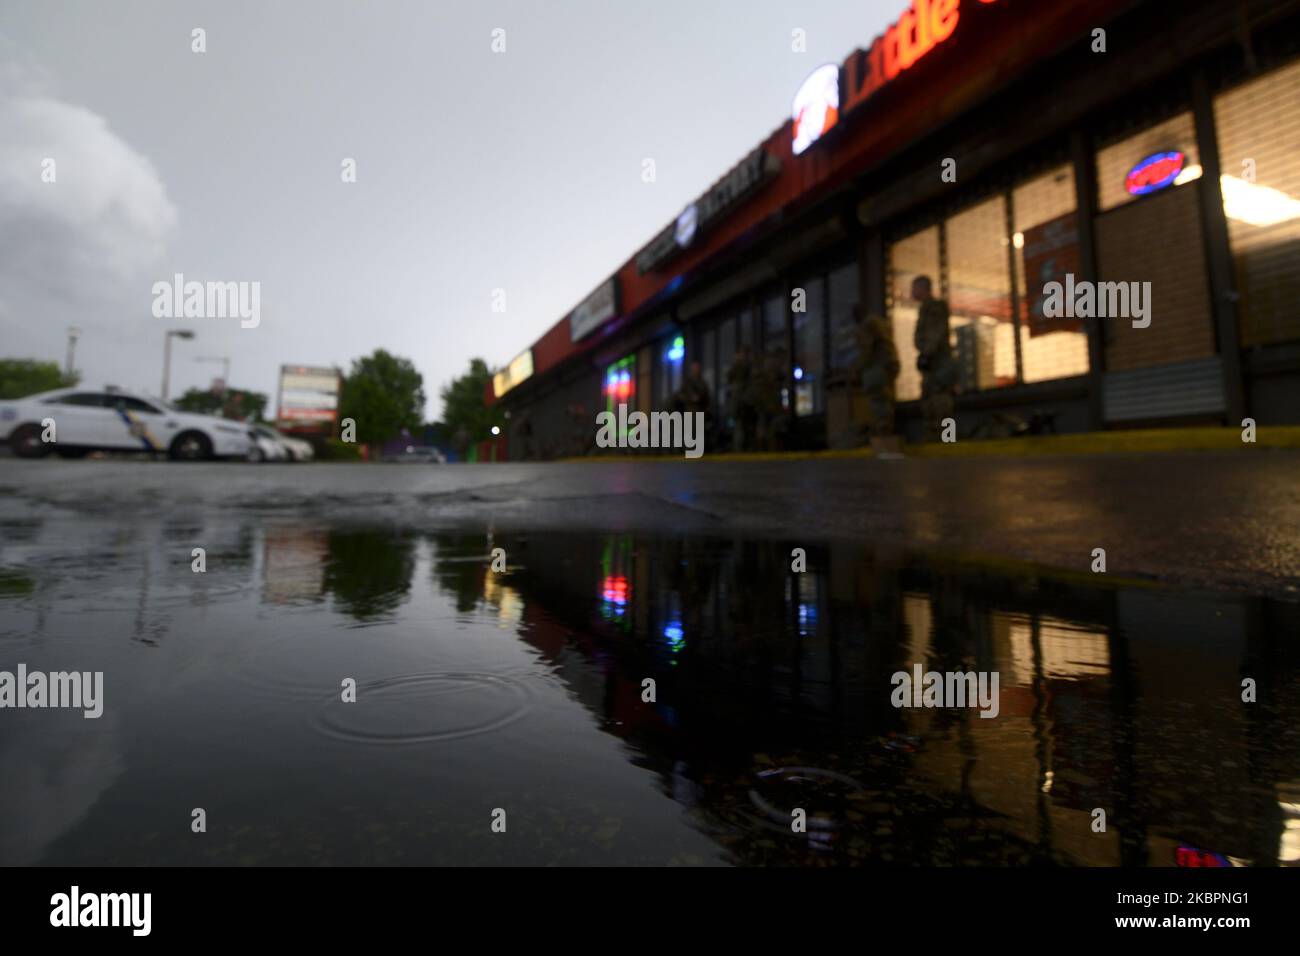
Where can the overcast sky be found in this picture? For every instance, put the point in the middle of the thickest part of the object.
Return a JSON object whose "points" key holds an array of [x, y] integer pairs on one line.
{"points": [[475, 170]]}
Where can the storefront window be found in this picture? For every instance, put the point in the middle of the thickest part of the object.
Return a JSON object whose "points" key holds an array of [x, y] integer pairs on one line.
{"points": [[1259, 152], [619, 387], [1144, 163], [745, 327], [1150, 232], [842, 289], [706, 356], [808, 353], [774, 309], [776, 352], [726, 356], [1046, 241], [671, 358], [912, 256], [979, 296]]}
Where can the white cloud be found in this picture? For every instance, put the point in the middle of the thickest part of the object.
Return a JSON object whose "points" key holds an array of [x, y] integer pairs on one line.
{"points": [[105, 217]]}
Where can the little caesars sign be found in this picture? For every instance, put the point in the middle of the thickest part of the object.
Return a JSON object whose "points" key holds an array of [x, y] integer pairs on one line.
{"points": [[750, 173]]}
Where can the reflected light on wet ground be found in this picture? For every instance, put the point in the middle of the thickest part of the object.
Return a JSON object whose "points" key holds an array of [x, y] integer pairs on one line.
{"points": [[525, 690]]}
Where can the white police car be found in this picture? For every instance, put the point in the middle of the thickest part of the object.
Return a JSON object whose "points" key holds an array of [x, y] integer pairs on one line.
{"points": [[75, 421]]}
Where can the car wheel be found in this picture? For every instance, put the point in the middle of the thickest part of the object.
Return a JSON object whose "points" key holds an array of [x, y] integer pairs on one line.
{"points": [[26, 442], [289, 456], [191, 446], [256, 455]]}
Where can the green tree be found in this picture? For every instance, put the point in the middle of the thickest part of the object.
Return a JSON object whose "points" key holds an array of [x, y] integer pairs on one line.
{"points": [[383, 394], [233, 403], [464, 412], [22, 377]]}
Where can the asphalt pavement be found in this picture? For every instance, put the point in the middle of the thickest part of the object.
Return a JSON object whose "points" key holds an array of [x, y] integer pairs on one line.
{"points": [[1216, 520]]}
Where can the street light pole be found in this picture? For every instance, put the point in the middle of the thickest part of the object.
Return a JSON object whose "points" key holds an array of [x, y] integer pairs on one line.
{"points": [[167, 356], [73, 334]]}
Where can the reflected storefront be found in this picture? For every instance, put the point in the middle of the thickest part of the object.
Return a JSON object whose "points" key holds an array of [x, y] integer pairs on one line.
{"points": [[692, 689]]}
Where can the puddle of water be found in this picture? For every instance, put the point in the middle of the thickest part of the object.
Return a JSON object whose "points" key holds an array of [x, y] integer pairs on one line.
{"points": [[525, 691]]}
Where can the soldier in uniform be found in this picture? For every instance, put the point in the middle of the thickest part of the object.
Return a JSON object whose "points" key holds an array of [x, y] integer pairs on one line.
{"points": [[877, 367], [693, 395], [934, 358], [740, 392]]}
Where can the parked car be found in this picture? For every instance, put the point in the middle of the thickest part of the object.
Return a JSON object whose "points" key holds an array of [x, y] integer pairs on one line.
{"points": [[265, 447], [415, 455], [76, 421], [299, 449], [273, 445]]}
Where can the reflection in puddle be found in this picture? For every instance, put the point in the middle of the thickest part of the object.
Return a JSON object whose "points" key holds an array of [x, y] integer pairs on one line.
{"points": [[769, 701]]}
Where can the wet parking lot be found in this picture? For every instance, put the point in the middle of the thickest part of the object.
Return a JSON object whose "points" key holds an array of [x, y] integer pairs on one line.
{"points": [[523, 695]]}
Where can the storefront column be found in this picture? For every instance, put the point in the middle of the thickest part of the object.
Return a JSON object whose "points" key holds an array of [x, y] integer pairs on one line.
{"points": [[871, 273], [1223, 295], [1085, 188]]}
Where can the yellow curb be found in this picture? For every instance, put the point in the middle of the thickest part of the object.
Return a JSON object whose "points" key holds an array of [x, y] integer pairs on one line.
{"points": [[1146, 441]]}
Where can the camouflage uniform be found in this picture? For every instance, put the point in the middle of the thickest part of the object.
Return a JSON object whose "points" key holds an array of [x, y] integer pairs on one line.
{"points": [[877, 367], [937, 365], [769, 379], [693, 395]]}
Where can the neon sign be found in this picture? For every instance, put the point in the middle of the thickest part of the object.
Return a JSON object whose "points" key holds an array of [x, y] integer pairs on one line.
{"points": [[1154, 173]]}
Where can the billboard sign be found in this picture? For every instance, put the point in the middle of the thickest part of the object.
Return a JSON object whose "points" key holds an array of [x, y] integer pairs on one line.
{"points": [[309, 397]]}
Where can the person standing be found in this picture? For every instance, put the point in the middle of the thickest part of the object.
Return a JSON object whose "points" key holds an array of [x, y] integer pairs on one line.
{"points": [[693, 395], [878, 367], [934, 358], [740, 397]]}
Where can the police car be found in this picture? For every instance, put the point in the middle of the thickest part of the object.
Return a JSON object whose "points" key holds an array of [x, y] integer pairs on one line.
{"points": [[75, 421]]}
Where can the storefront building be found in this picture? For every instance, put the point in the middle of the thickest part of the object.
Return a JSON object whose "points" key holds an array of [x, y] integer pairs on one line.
{"points": [[998, 147]]}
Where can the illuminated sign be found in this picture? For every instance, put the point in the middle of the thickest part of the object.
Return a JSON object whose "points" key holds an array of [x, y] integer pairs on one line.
{"points": [[1154, 173], [514, 373], [308, 396], [922, 27], [620, 383], [595, 310], [816, 106], [746, 176], [676, 349], [686, 224]]}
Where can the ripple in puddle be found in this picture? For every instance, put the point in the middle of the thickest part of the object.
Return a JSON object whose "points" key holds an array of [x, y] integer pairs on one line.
{"points": [[425, 708]]}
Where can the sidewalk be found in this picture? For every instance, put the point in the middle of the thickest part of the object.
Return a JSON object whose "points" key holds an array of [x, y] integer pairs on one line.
{"points": [[1128, 442]]}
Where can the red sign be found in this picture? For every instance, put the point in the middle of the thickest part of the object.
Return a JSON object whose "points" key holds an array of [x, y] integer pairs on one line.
{"points": [[1154, 173], [924, 25], [1050, 252]]}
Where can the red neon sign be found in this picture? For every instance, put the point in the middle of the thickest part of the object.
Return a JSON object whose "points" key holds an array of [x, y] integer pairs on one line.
{"points": [[1154, 173], [922, 27]]}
